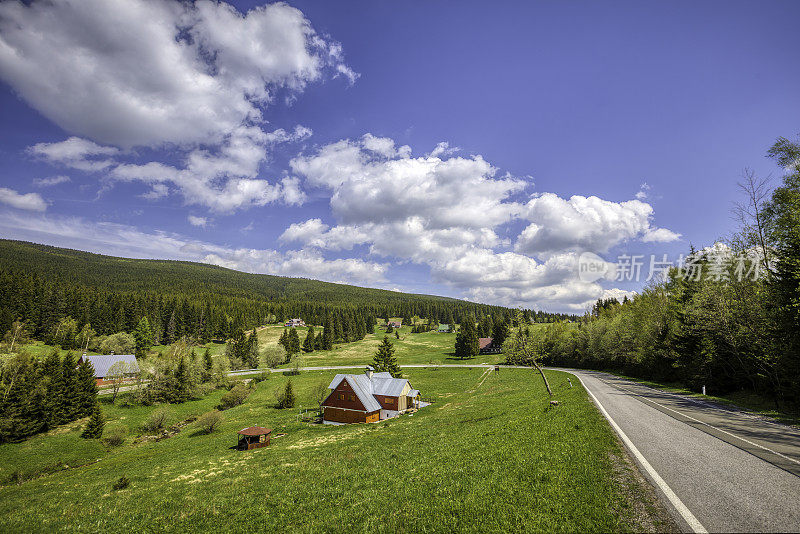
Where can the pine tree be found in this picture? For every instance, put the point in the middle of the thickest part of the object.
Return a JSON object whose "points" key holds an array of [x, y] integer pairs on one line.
{"points": [[94, 428], [327, 335], [208, 364], [467, 340], [252, 351], [308, 342], [287, 398], [144, 338], [87, 389], [500, 333], [182, 383], [69, 398], [292, 344], [385, 360]]}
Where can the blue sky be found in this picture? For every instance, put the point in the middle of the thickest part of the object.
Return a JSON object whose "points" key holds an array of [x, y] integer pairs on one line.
{"points": [[466, 149]]}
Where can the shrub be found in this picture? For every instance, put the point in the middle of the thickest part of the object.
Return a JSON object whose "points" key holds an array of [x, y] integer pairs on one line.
{"points": [[286, 398], [119, 343], [121, 484], [209, 421], [157, 419], [115, 436], [262, 376], [234, 397], [273, 356]]}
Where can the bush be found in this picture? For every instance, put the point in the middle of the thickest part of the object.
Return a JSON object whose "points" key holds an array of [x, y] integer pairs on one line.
{"points": [[234, 397], [209, 421], [286, 398], [119, 343], [264, 375], [121, 484], [273, 356], [115, 436], [157, 419], [204, 389]]}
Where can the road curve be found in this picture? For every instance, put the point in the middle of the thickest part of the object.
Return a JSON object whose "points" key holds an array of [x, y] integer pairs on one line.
{"points": [[732, 471]]}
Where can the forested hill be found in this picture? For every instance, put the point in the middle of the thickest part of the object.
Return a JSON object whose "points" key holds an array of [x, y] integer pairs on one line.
{"points": [[184, 277], [42, 285]]}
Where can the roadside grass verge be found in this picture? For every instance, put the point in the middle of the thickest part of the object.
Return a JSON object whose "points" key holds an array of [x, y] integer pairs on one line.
{"points": [[491, 457]]}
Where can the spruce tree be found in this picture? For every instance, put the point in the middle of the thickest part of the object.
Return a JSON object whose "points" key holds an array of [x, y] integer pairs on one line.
{"points": [[87, 389], [292, 344], [143, 335], [327, 335], [252, 350], [69, 398], [182, 382], [208, 364], [467, 340], [308, 342], [500, 333], [385, 360], [94, 428]]}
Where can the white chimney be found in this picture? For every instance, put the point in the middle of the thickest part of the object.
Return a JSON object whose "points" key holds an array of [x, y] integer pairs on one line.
{"points": [[368, 372]]}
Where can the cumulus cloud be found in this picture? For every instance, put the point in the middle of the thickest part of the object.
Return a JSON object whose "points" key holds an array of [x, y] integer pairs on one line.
{"points": [[132, 72], [584, 223], [446, 212], [28, 201], [191, 77], [127, 241], [51, 181]]}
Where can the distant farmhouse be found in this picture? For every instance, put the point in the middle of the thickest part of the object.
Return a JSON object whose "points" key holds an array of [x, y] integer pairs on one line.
{"points": [[443, 328], [368, 398], [486, 345], [395, 324], [294, 322], [108, 366]]}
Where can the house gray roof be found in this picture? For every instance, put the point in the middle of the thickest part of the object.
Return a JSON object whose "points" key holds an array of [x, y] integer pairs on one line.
{"points": [[103, 363], [413, 393], [366, 388]]}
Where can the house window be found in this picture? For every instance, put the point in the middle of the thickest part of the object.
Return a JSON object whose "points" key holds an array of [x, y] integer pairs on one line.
{"points": [[341, 396], [352, 397], [389, 401]]}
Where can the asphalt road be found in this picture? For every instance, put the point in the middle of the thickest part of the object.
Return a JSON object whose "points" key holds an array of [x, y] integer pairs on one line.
{"points": [[731, 471]]}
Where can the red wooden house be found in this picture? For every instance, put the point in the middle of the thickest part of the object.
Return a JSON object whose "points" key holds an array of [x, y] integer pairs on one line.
{"points": [[367, 398]]}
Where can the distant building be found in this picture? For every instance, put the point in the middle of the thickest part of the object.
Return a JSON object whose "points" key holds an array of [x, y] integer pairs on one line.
{"points": [[294, 322], [112, 364], [368, 398], [486, 345], [443, 328], [395, 324]]}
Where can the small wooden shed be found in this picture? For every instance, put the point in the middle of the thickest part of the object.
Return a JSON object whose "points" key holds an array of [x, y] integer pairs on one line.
{"points": [[253, 437]]}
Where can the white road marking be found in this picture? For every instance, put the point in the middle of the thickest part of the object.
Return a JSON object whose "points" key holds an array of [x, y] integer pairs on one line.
{"points": [[719, 429], [681, 508]]}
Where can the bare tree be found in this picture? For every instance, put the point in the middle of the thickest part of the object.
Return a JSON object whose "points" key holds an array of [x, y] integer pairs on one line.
{"points": [[117, 373], [750, 213], [526, 349]]}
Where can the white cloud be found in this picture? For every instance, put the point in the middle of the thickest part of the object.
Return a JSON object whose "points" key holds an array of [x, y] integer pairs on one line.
{"points": [[51, 181], [127, 241], [446, 212], [660, 235], [28, 201], [133, 72], [77, 153], [642, 194], [582, 223], [194, 220], [223, 180], [193, 78]]}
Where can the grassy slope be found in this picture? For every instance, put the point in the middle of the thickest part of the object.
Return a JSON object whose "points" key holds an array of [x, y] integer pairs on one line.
{"points": [[411, 348], [485, 456]]}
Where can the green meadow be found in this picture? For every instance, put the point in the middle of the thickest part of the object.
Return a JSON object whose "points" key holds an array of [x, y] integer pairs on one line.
{"points": [[488, 455]]}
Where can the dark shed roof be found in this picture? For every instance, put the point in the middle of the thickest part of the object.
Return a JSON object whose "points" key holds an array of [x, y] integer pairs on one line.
{"points": [[255, 431]]}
